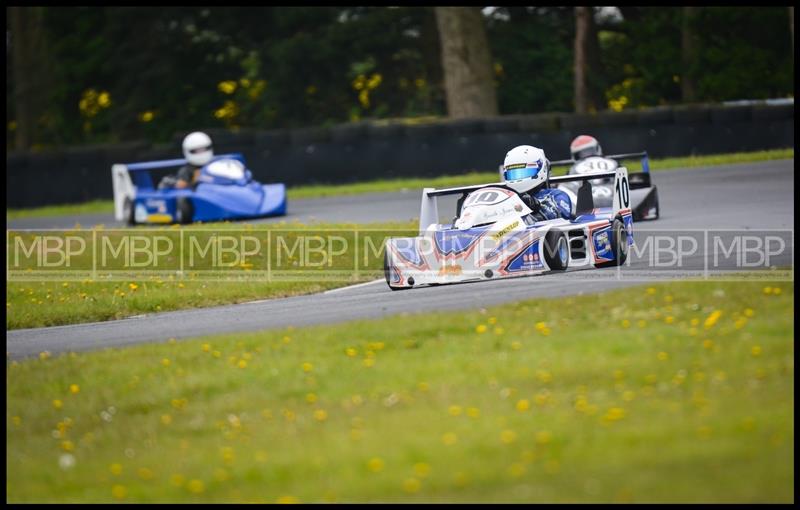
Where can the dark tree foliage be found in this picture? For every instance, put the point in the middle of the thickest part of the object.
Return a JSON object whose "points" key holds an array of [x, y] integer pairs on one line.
{"points": [[150, 73]]}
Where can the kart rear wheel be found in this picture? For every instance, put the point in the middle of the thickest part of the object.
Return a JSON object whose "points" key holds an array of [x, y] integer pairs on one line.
{"points": [[128, 212], [556, 250], [619, 244]]}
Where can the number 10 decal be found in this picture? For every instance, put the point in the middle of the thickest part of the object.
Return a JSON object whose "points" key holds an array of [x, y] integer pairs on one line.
{"points": [[623, 193]]}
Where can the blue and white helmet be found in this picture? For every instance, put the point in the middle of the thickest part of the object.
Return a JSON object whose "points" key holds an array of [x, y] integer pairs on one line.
{"points": [[526, 167]]}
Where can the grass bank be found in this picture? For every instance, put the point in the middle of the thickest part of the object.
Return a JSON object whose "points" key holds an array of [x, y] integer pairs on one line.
{"points": [[679, 392]]}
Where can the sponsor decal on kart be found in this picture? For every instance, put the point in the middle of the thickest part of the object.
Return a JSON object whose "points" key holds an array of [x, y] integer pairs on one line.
{"points": [[505, 231]]}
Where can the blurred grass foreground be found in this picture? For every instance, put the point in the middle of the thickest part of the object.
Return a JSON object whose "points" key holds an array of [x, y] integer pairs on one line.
{"points": [[679, 392]]}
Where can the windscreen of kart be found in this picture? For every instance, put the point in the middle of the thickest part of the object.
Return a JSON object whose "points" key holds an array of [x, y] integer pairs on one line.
{"points": [[225, 171], [487, 206]]}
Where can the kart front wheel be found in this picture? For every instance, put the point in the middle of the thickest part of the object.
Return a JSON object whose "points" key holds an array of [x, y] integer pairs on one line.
{"points": [[619, 244], [556, 250]]}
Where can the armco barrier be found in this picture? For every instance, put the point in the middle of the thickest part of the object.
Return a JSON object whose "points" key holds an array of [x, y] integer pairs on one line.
{"points": [[364, 151]]}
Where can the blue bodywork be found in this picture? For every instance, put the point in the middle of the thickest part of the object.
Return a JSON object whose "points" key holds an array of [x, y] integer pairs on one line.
{"points": [[214, 198]]}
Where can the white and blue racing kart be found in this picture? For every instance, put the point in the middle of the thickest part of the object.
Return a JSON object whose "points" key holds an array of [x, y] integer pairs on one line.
{"points": [[225, 190], [495, 235]]}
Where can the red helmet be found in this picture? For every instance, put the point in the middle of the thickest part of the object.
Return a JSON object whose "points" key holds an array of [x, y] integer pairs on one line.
{"points": [[585, 146]]}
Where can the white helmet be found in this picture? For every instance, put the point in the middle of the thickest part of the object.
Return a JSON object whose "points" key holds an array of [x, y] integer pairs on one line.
{"points": [[525, 168], [585, 146], [197, 148]]}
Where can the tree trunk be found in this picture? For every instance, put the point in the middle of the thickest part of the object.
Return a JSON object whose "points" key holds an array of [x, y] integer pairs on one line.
{"points": [[688, 55], [27, 38], [466, 61], [582, 15]]}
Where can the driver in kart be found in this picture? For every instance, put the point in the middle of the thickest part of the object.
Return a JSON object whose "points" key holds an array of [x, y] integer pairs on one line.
{"points": [[585, 146], [525, 170], [198, 151]]}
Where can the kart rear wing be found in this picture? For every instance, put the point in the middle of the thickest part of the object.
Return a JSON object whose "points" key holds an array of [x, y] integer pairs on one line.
{"points": [[429, 211], [126, 178]]}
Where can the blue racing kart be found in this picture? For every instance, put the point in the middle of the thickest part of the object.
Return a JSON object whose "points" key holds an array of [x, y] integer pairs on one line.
{"points": [[225, 190]]}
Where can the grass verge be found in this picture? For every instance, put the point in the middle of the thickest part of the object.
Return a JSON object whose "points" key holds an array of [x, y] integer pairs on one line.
{"points": [[293, 271], [679, 392], [389, 185]]}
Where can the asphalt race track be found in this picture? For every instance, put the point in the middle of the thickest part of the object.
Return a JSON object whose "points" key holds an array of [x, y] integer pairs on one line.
{"points": [[749, 197]]}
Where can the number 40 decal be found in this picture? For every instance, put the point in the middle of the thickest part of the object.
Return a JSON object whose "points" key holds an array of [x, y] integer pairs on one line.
{"points": [[623, 192]]}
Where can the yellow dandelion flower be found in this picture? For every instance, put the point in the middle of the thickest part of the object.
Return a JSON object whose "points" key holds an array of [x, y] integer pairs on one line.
{"points": [[651, 290], [375, 464], [311, 398], [508, 436], [748, 312], [641, 323], [411, 485], [776, 290], [44, 355], [216, 354], [767, 290], [287, 500], [119, 491], [626, 323], [368, 362], [498, 330], [196, 486], [67, 446], [74, 388], [423, 386], [480, 328], [145, 474], [540, 326], [133, 286], [320, 415], [57, 404], [544, 376], [663, 356], [695, 321], [227, 87], [492, 320], [177, 480], [516, 470], [756, 350], [614, 414], [708, 344], [165, 362], [116, 469], [351, 352], [206, 347], [449, 438], [166, 419], [242, 363], [628, 396], [421, 469], [712, 319], [454, 410], [473, 412], [543, 437], [523, 405], [516, 345], [669, 319], [307, 367]]}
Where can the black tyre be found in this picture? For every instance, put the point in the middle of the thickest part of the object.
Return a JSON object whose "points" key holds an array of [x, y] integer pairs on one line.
{"points": [[619, 244], [184, 211], [556, 250], [128, 212]]}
